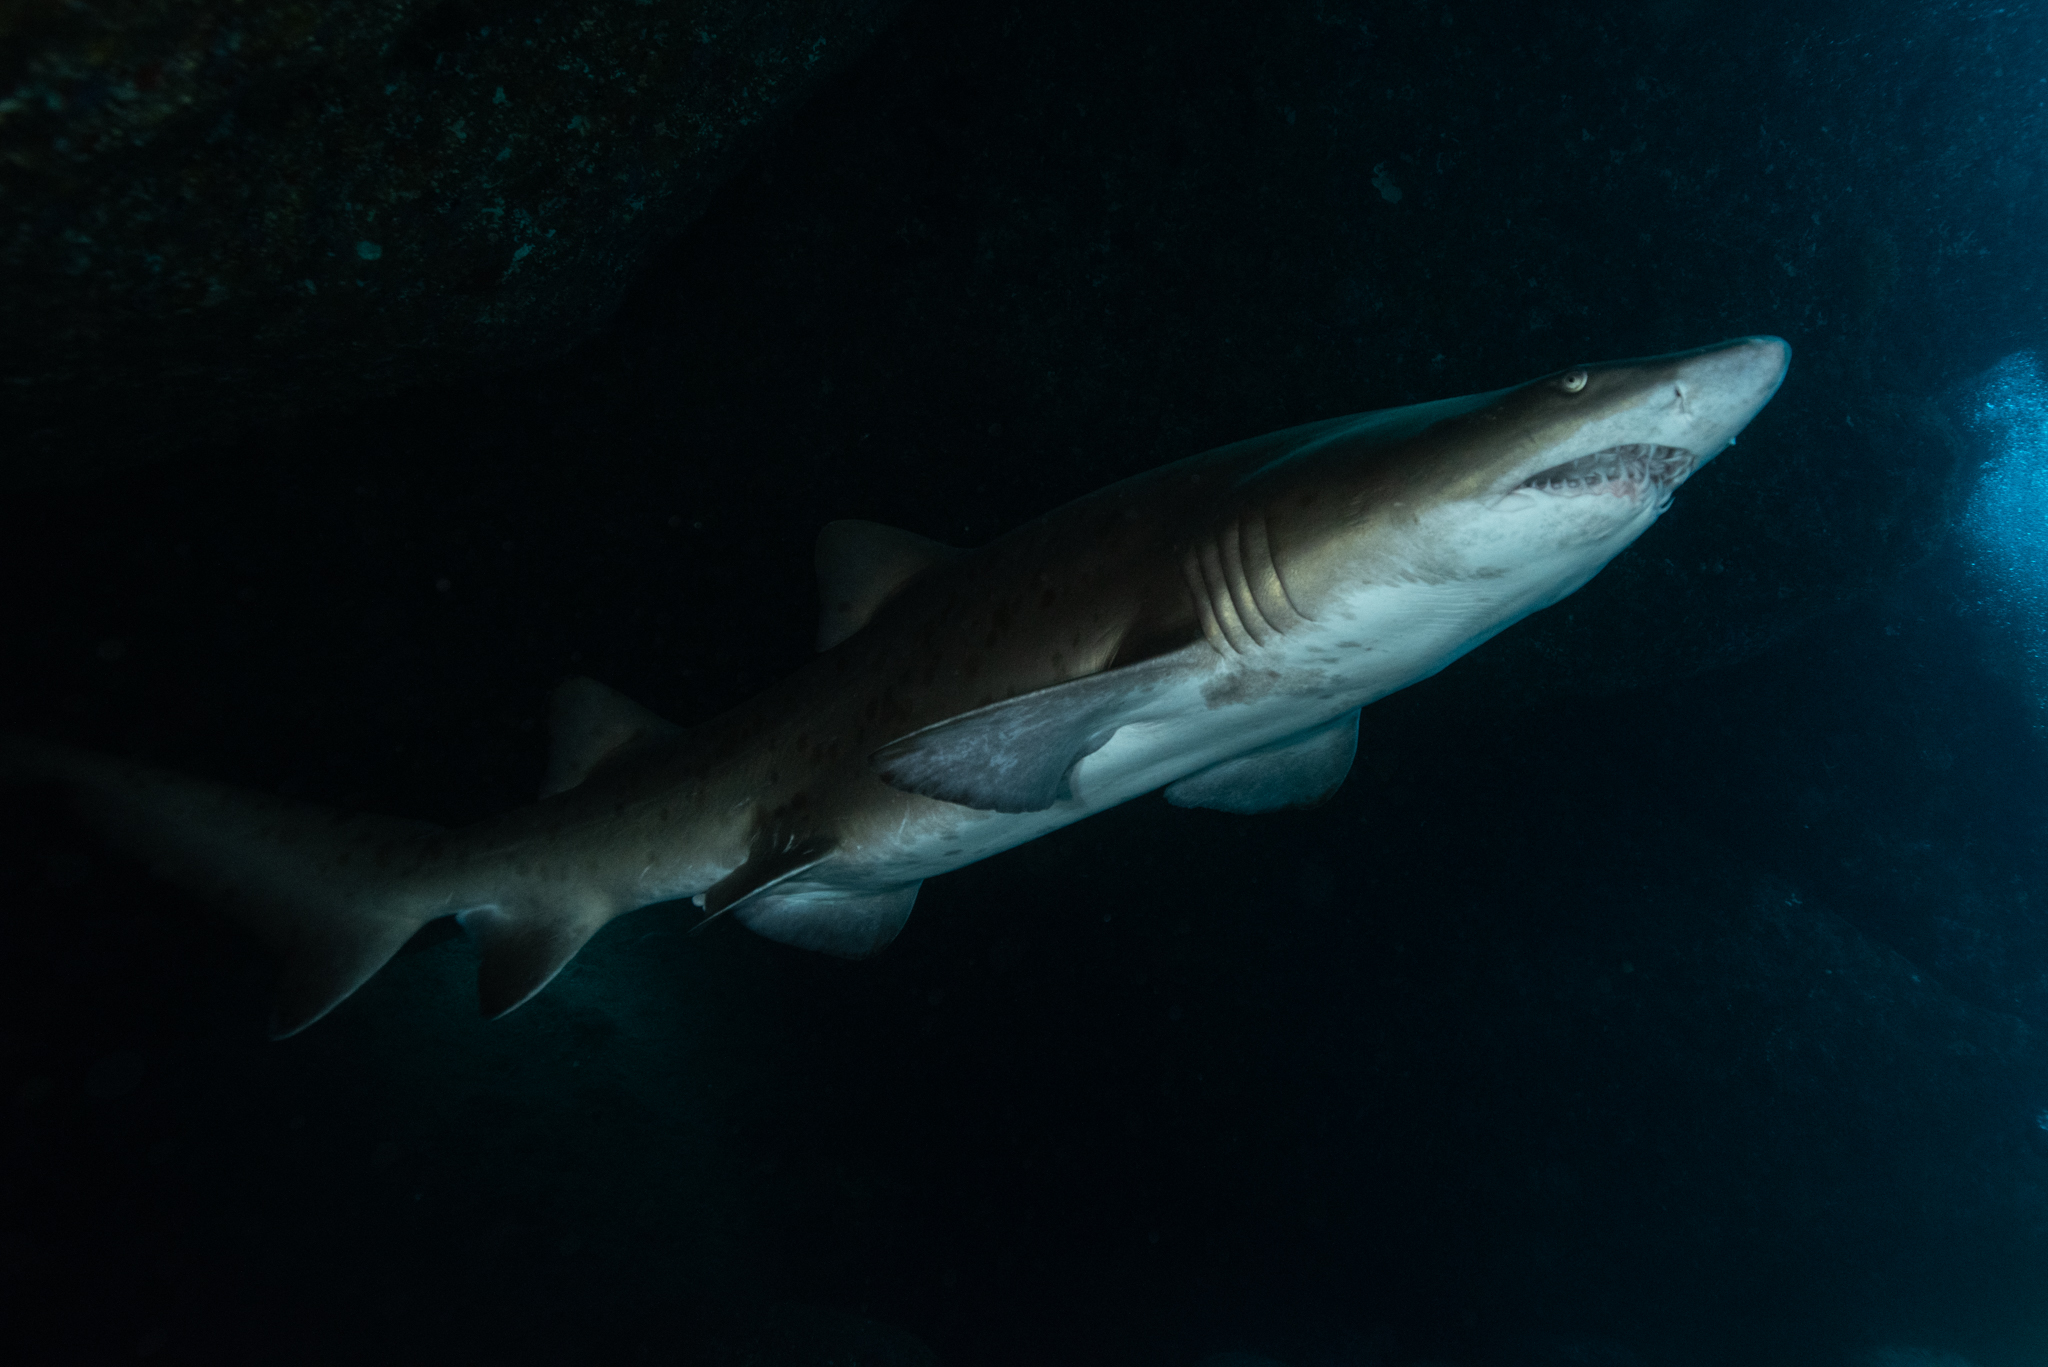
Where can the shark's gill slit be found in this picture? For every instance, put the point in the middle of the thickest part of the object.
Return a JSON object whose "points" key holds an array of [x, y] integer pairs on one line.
{"points": [[1221, 602], [1198, 589], [1616, 470], [1262, 573], [1239, 596], [1238, 585]]}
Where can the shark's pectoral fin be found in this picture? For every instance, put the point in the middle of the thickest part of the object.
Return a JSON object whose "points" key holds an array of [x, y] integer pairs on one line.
{"points": [[1014, 756], [849, 925], [592, 726], [1295, 771], [862, 565]]}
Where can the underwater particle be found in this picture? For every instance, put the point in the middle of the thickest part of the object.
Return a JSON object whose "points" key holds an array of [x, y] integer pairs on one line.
{"points": [[1384, 183], [369, 251], [2041, 1119]]}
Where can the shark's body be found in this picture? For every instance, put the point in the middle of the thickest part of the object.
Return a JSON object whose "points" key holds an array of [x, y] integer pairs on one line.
{"points": [[1211, 627]]}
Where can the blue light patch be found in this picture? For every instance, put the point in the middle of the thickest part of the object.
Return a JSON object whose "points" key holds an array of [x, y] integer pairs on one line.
{"points": [[2005, 524]]}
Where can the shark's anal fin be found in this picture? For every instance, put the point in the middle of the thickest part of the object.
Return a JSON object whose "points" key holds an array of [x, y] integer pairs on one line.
{"points": [[862, 565], [524, 942], [1014, 756], [591, 726], [849, 925], [1300, 770]]}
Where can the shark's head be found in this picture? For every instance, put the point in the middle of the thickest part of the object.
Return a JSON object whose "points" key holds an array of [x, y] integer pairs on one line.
{"points": [[1528, 490], [1642, 425]]}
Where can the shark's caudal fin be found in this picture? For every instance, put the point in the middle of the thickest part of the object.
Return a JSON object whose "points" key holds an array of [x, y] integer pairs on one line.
{"points": [[337, 894], [334, 894]]}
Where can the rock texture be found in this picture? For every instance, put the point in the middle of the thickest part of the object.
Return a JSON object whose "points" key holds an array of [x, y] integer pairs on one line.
{"points": [[212, 214]]}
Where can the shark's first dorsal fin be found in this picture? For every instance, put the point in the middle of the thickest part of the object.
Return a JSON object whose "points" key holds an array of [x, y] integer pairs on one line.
{"points": [[862, 565], [593, 725]]}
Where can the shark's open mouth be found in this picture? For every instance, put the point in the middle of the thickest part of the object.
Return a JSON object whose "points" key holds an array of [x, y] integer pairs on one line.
{"points": [[1621, 471]]}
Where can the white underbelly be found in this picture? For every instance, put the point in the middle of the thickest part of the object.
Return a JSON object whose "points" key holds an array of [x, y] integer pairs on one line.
{"points": [[1218, 709]]}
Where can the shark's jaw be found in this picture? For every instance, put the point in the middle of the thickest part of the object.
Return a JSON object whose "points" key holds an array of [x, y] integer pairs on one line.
{"points": [[1632, 471]]}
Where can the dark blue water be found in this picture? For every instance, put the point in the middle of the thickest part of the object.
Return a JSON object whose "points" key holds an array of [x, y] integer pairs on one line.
{"points": [[1667, 985]]}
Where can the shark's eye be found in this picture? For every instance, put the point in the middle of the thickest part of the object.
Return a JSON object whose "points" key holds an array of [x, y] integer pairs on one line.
{"points": [[1571, 382]]}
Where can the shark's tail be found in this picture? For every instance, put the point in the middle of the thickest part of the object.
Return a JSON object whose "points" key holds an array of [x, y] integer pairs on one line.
{"points": [[335, 895]]}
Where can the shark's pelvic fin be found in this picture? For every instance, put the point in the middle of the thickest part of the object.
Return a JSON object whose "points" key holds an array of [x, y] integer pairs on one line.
{"points": [[776, 854], [1295, 771], [1015, 756], [862, 565], [849, 925], [335, 895], [592, 726]]}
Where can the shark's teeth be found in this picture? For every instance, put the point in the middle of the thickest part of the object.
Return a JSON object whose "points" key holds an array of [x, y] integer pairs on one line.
{"points": [[1619, 471]]}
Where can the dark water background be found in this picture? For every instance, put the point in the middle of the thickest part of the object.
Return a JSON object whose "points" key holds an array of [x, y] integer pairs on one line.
{"points": [[1667, 985]]}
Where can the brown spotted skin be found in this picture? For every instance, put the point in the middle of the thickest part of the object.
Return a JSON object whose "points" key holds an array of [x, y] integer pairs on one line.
{"points": [[1096, 585]]}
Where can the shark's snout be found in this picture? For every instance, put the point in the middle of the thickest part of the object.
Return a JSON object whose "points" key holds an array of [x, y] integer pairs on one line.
{"points": [[1752, 367], [1721, 388]]}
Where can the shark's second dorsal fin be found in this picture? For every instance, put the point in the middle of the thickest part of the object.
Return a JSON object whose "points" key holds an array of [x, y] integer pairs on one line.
{"points": [[591, 726], [862, 565]]}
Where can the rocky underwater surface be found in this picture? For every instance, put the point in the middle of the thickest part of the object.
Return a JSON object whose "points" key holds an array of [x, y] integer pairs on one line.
{"points": [[1667, 985]]}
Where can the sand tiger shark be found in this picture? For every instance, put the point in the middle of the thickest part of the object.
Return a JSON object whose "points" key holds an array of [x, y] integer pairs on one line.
{"points": [[1211, 628]]}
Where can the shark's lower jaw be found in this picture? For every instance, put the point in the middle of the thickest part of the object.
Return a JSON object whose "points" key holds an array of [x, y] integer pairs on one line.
{"points": [[1618, 472]]}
